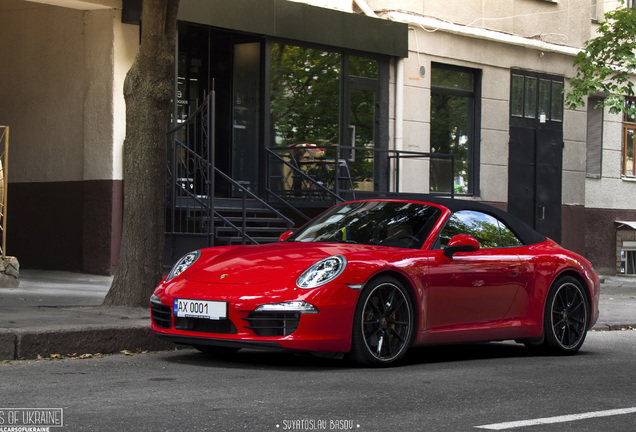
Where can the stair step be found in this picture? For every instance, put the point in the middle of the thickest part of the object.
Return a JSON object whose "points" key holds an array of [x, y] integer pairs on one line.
{"points": [[251, 229], [239, 240], [239, 219]]}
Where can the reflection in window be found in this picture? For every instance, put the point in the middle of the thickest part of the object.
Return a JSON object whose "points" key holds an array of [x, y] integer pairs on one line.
{"points": [[305, 87], [362, 129], [452, 122], [530, 97], [486, 229], [545, 94], [363, 67], [628, 262], [530, 94], [556, 112], [628, 159], [516, 104], [384, 223], [629, 129]]}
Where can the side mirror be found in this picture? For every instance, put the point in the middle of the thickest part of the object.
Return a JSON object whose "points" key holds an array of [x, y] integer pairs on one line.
{"points": [[460, 243], [284, 236]]}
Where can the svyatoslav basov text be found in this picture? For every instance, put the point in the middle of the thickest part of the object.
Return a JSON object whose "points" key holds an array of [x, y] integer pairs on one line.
{"points": [[317, 424]]}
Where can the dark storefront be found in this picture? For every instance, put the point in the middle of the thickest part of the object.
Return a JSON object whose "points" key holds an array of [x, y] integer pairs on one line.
{"points": [[290, 81]]}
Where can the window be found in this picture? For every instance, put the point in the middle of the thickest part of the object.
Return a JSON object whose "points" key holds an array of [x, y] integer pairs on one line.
{"points": [[454, 128], [305, 95], [594, 10], [486, 229], [313, 102], [532, 97], [594, 138], [629, 130], [628, 261]]}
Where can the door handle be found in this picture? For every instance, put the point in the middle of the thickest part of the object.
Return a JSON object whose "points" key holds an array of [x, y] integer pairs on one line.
{"points": [[512, 271]]}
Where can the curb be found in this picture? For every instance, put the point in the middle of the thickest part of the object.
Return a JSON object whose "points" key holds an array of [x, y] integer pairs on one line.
{"points": [[20, 344], [613, 327], [24, 344]]}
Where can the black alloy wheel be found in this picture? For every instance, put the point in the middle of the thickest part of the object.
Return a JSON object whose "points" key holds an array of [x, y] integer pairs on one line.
{"points": [[566, 316], [383, 323]]}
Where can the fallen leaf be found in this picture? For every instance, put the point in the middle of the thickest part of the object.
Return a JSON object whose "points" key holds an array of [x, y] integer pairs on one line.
{"points": [[126, 352]]}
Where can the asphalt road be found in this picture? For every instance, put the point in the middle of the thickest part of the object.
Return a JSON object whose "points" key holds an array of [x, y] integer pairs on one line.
{"points": [[437, 389]]}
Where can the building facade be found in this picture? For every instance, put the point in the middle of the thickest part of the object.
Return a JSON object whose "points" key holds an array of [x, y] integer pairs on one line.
{"points": [[481, 81]]}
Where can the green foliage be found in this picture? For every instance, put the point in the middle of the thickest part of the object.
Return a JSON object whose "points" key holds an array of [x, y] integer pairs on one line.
{"points": [[607, 64], [305, 103], [305, 100]]}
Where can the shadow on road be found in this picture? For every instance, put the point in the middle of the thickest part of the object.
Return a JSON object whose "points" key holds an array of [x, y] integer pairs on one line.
{"points": [[285, 360]]}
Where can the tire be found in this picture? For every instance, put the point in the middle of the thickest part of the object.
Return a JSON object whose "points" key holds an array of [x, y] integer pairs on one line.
{"points": [[383, 323], [566, 317]]}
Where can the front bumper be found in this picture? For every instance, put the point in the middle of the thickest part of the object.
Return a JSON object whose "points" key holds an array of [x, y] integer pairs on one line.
{"points": [[329, 330]]}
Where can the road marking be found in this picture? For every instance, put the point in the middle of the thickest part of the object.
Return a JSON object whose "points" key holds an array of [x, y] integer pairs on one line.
{"points": [[558, 419]]}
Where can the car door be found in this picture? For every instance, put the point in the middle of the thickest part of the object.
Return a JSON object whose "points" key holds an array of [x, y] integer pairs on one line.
{"points": [[473, 289]]}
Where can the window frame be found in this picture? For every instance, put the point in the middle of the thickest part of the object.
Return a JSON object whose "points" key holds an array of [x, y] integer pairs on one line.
{"points": [[474, 120]]}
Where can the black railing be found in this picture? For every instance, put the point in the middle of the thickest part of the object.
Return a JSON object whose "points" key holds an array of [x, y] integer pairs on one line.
{"points": [[296, 176], [195, 217], [300, 175]]}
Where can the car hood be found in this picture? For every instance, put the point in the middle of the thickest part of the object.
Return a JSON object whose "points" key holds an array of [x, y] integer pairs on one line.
{"points": [[262, 263]]}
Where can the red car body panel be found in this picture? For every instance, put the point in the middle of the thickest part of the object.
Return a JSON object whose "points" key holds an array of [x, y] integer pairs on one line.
{"points": [[488, 294]]}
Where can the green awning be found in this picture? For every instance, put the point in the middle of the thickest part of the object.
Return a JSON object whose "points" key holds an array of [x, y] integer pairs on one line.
{"points": [[300, 22]]}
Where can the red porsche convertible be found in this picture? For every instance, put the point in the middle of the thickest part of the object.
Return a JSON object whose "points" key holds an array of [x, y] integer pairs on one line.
{"points": [[371, 278]]}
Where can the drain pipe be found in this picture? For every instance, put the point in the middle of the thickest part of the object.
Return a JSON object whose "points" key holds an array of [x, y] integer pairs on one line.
{"points": [[399, 117], [365, 8], [399, 98]]}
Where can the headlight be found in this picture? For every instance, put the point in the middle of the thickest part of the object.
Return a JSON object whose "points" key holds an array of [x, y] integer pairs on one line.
{"points": [[324, 271], [154, 298], [293, 306], [183, 264]]}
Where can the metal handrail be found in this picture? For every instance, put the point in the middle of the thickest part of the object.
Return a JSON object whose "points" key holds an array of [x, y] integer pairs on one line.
{"points": [[391, 154], [248, 192], [298, 171]]}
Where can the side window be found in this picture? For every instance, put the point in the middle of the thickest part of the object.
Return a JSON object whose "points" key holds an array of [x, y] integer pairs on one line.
{"points": [[486, 229], [508, 238]]}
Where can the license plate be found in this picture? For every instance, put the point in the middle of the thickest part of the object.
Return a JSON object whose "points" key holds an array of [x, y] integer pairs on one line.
{"points": [[214, 310]]}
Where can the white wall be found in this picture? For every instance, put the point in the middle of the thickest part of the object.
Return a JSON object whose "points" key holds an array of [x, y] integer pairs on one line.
{"points": [[61, 90], [494, 60], [42, 90]]}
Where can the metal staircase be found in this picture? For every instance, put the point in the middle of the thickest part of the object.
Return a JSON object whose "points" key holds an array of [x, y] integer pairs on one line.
{"points": [[195, 216]]}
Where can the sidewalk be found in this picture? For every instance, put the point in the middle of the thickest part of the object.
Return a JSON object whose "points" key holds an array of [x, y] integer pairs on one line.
{"points": [[60, 313]]}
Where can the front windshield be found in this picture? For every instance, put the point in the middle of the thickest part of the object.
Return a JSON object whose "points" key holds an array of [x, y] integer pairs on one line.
{"points": [[383, 223]]}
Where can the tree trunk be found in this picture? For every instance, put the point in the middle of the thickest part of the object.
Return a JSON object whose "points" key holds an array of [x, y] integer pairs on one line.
{"points": [[147, 90]]}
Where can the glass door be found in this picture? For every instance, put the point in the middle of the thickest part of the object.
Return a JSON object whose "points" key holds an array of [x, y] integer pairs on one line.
{"points": [[246, 101], [359, 170]]}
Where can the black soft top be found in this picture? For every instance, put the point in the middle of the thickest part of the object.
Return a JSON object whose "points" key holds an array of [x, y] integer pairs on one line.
{"points": [[526, 234]]}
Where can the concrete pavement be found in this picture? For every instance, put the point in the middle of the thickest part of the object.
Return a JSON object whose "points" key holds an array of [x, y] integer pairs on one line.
{"points": [[55, 312]]}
